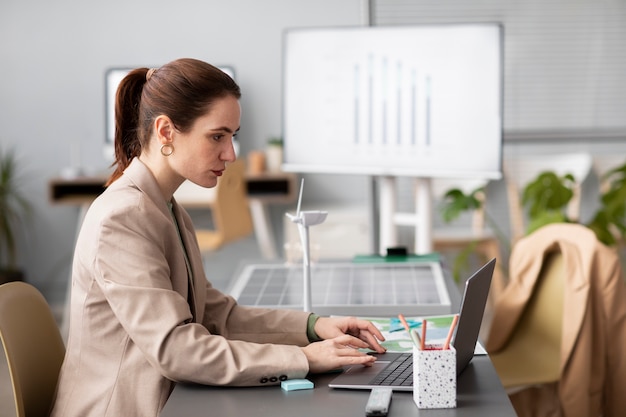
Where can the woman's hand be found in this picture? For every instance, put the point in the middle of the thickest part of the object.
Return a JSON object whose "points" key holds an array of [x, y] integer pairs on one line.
{"points": [[336, 352], [332, 327]]}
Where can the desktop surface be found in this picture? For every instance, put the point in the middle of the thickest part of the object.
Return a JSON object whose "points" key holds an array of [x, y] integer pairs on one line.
{"points": [[479, 393]]}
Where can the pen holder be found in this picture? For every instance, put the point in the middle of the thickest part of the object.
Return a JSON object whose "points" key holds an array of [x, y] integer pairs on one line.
{"points": [[434, 377]]}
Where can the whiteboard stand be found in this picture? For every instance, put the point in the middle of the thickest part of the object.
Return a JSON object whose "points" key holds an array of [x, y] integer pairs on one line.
{"points": [[421, 220], [387, 209]]}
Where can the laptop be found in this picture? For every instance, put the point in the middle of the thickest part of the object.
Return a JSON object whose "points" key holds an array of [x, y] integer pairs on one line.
{"points": [[400, 364]]}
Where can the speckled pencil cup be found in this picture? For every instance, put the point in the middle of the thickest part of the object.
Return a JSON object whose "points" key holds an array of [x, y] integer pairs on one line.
{"points": [[434, 378]]}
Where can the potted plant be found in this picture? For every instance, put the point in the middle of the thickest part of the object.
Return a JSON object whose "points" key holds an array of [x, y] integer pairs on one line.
{"points": [[548, 196], [14, 209], [546, 199], [454, 203], [274, 154]]}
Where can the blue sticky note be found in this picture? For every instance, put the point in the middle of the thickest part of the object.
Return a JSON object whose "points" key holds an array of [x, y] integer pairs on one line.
{"points": [[395, 325], [296, 384]]}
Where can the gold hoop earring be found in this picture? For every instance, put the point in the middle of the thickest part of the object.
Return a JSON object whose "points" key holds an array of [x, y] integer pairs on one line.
{"points": [[165, 147]]}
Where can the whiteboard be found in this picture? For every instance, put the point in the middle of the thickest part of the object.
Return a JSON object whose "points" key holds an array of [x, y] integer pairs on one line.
{"points": [[421, 101]]}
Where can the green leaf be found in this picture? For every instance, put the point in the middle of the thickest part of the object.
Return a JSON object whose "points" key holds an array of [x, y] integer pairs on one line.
{"points": [[14, 207], [601, 227], [544, 218], [548, 192], [455, 202]]}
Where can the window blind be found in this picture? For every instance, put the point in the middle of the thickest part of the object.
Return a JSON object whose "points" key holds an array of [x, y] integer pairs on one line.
{"points": [[564, 60]]}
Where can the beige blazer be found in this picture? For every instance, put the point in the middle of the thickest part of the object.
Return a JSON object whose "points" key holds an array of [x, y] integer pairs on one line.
{"points": [[132, 331], [593, 349]]}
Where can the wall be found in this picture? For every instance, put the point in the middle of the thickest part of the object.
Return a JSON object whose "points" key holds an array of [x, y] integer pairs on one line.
{"points": [[54, 56]]}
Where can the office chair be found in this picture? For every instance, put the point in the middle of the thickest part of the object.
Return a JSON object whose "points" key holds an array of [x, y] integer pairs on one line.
{"points": [[520, 170], [33, 347], [558, 334], [228, 203], [532, 354]]}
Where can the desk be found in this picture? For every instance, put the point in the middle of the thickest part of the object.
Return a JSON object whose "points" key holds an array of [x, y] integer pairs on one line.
{"points": [[479, 393], [262, 189]]}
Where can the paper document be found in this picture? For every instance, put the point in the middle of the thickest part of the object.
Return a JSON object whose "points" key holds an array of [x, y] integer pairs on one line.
{"points": [[398, 340]]}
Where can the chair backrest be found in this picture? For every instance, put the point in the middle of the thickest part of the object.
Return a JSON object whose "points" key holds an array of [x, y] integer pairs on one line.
{"points": [[228, 203], [533, 353], [33, 346], [231, 212], [519, 171], [592, 337]]}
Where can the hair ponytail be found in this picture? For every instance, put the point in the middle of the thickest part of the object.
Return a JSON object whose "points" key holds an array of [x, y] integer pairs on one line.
{"points": [[127, 103]]}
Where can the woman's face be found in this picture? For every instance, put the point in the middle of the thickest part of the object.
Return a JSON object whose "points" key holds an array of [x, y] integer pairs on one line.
{"points": [[202, 153]]}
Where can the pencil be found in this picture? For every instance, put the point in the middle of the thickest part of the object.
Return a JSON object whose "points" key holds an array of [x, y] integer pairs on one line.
{"points": [[404, 322], [423, 338], [455, 319], [416, 341]]}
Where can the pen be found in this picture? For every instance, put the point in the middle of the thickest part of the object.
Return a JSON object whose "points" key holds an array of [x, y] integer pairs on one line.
{"points": [[455, 319], [416, 338]]}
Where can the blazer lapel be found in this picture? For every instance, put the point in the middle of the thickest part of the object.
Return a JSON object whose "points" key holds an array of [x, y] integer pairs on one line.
{"points": [[197, 279]]}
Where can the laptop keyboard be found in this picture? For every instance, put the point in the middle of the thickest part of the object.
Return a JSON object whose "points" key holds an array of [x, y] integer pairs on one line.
{"points": [[399, 373]]}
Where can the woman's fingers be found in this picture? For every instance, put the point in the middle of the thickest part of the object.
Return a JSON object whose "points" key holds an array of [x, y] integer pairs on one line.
{"points": [[353, 342], [336, 352]]}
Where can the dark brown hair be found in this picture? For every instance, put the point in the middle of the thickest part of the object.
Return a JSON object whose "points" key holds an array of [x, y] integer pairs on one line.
{"points": [[183, 90]]}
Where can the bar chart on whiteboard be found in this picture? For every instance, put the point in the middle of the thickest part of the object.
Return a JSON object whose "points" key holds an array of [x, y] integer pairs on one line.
{"points": [[400, 100]]}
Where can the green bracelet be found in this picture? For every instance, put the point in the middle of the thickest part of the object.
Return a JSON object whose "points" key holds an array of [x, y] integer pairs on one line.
{"points": [[310, 328]]}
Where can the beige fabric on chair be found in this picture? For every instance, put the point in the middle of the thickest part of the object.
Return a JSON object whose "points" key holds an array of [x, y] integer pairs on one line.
{"points": [[33, 347], [532, 354], [229, 207], [592, 358]]}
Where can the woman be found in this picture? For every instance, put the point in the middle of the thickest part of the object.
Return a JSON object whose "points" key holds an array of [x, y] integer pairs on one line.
{"points": [[143, 314]]}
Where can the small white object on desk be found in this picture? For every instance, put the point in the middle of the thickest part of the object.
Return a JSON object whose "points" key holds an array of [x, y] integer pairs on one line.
{"points": [[304, 219], [378, 402], [434, 377]]}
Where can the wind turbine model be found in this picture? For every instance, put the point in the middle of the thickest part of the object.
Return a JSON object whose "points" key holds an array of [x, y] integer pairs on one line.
{"points": [[304, 219]]}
